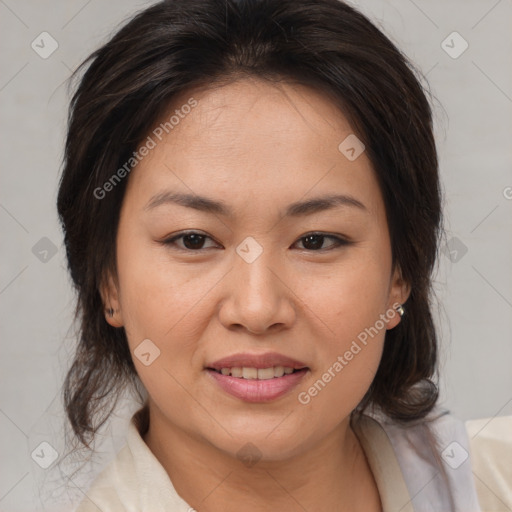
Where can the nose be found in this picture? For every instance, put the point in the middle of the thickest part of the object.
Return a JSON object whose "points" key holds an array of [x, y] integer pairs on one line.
{"points": [[257, 297]]}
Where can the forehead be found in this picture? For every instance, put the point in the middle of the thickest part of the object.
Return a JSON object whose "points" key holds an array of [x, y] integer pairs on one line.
{"points": [[255, 136], [253, 112]]}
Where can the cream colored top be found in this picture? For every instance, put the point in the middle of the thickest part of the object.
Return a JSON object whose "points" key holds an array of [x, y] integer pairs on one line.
{"points": [[476, 459]]}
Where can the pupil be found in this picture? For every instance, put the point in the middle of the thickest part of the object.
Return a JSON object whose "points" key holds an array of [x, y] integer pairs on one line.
{"points": [[197, 241], [317, 241]]}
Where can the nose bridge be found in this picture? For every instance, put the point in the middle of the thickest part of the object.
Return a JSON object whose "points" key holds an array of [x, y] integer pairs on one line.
{"points": [[257, 298], [255, 279]]}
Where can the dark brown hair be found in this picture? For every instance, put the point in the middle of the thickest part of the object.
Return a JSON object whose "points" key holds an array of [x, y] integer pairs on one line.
{"points": [[176, 45]]}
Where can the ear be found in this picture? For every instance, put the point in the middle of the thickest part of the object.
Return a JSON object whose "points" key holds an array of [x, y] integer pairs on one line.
{"points": [[399, 292], [109, 291]]}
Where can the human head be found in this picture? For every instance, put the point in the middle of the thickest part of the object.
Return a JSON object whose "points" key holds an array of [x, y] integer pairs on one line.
{"points": [[176, 46]]}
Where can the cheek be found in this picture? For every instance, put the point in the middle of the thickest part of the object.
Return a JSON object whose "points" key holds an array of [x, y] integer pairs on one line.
{"points": [[349, 297], [336, 390], [350, 351], [159, 298], [161, 303], [350, 303]]}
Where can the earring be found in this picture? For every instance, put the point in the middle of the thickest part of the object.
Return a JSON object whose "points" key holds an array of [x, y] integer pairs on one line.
{"points": [[400, 310], [110, 312]]}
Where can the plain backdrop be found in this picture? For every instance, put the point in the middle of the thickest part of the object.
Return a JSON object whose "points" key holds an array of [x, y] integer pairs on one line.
{"points": [[473, 110]]}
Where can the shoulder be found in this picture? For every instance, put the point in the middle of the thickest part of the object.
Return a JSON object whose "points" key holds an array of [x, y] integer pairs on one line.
{"points": [[118, 487], [134, 481], [114, 488], [474, 457], [433, 455], [491, 459]]}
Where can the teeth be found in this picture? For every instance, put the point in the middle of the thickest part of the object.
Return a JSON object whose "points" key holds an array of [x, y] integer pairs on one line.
{"points": [[278, 371], [235, 372], [249, 373], [265, 373], [257, 373]]}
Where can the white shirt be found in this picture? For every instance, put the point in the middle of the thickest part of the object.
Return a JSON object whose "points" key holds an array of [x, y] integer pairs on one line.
{"points": [[476, 458]]}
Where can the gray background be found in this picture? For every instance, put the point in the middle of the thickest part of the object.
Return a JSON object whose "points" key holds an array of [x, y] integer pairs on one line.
{"points": [[473, 284]]}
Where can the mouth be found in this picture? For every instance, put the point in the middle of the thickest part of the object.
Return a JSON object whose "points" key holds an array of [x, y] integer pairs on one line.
{"points": [[256, 378]]}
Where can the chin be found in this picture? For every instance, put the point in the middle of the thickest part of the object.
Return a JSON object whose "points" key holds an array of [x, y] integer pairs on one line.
{"points": [[265, 444]]}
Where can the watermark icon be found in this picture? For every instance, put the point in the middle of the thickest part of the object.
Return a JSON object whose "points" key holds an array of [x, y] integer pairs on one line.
{"points": [[145, 148], [249, 250], [305, 397], [249, 454], [454, 45], [146, 352], [44, 455], [351, 147], [44, 250], [454, 249], [454, 455], [44, 45], [507, 192]]}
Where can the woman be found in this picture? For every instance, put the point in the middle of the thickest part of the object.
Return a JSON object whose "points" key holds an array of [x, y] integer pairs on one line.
{"points": [[251, 210]]}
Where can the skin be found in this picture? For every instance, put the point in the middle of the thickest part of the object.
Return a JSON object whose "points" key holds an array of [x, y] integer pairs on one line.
{"points": [[258, 147]]}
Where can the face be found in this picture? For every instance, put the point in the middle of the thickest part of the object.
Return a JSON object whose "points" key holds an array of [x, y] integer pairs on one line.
{"points": [[265, 272]]}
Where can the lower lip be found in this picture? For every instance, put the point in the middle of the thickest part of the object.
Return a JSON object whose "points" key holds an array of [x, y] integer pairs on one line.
{"points": [[254, 390]]}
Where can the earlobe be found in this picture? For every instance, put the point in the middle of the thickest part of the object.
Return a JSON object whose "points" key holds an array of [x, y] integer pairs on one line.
{"points": [[399, 293], [110, 299], [113, 317]]}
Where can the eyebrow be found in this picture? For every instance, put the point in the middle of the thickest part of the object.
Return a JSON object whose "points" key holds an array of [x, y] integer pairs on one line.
{"points": [[297, 209]]}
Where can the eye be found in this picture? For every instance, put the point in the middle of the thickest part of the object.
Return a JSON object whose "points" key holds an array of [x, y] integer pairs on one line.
{"points": [[191, 241], [315, 241], [195, 241]]}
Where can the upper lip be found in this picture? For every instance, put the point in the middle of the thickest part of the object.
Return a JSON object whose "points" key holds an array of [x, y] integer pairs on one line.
{"points": [[258, 361]]}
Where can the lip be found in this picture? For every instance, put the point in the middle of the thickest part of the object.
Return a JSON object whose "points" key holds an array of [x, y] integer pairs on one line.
{"points": [[258, 361], [255, 390]]}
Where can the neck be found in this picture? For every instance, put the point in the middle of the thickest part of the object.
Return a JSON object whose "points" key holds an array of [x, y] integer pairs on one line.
{"points": [[331, 475]]}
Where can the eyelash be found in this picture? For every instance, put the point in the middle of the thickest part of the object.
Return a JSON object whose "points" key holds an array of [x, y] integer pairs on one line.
{"points": [[339, 241]]}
